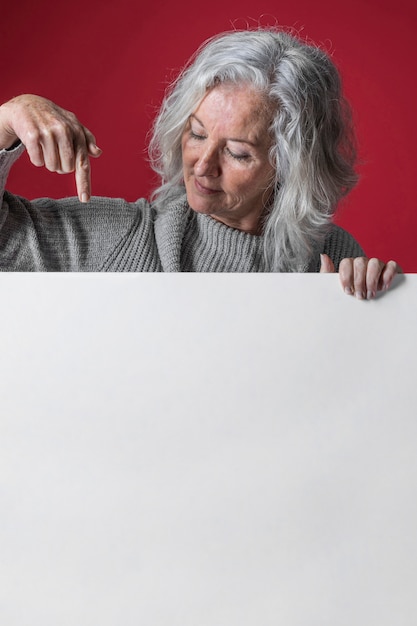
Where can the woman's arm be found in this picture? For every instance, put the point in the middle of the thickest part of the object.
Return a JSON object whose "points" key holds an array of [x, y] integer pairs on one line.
{"points": [[53, 137]]}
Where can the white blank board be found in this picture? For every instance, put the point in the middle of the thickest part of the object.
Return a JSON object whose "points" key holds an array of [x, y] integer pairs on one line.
{"points": [[206, 450]]}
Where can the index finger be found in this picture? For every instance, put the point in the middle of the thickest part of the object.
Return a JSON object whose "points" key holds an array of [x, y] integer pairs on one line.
{"points": [[82, 174], [346, 275]]}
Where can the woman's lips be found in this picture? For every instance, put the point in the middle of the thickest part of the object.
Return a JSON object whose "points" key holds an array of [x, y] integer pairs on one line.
{"points": [[207, 191]]}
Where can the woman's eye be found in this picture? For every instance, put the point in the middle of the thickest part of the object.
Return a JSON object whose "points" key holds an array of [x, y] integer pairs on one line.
{"points": [[238, 157], [194, 135]]}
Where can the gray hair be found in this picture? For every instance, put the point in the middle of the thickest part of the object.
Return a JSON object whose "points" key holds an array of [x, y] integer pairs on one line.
{"points": [[313, 149]]}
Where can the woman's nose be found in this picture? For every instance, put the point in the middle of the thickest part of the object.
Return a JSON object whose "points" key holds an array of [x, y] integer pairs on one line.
{"points": [[208, 163]]}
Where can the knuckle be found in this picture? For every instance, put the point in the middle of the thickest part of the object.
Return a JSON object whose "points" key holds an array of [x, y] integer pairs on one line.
{"points": [[345, 264], [393, 266], [32, 136], [375, 264], [72, 118], [60, 130], [360, 263]]}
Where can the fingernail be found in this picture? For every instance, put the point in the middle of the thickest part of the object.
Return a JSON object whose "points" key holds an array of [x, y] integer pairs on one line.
{"points": [[371, 294], [349, 291], [360, 295], [84, 197]]}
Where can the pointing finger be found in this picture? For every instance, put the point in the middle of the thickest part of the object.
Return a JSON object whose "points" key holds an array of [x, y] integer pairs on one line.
{"points": [[82, 175]]}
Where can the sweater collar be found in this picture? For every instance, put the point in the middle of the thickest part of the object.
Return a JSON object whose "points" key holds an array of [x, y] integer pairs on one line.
{"points": [[190, 241]]}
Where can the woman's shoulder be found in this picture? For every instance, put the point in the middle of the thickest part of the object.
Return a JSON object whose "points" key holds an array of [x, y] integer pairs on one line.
{"points": [[340, 244], [338, 234]]}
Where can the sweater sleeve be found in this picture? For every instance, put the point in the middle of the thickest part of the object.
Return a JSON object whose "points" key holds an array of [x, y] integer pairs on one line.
{"points": [[7, 158], [338, 245], [62, 235]]}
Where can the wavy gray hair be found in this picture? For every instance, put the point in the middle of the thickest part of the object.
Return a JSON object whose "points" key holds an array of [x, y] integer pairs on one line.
{"points": [[313, 149]]}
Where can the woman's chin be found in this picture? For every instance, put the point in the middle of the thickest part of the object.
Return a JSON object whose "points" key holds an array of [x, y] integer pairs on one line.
{"points": [[200, 205]]}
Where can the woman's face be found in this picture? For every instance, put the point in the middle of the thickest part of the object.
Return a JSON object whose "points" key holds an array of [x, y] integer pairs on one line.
{"points": [[225, 145]]}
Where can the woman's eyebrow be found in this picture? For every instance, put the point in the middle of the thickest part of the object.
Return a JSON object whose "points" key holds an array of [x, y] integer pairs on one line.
{"points": [[196, 119]]}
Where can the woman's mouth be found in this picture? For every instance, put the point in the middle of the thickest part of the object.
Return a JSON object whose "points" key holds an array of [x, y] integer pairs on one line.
{"points": [[207, 191]]}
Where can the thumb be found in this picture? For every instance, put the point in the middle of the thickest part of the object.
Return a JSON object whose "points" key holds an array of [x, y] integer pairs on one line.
{"points": [[94, 150], [327, 265]]}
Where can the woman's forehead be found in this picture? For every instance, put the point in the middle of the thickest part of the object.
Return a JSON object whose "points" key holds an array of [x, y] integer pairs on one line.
{"points": [[237, 107]]}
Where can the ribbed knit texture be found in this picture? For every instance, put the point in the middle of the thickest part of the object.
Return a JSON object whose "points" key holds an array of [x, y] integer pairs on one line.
{"points": [[113, 235]]}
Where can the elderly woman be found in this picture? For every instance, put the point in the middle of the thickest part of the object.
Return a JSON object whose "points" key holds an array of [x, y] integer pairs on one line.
{"points": [[254, 149]]}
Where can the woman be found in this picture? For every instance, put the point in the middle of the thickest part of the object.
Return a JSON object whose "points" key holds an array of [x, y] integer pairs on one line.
{"points": [[254, 149]]}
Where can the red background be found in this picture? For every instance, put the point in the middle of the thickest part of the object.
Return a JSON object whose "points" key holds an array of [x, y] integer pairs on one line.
{"points": [[109, 62]]}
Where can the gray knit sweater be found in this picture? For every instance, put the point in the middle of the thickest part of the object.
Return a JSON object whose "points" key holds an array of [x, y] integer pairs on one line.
{"points": [[113, 235]]}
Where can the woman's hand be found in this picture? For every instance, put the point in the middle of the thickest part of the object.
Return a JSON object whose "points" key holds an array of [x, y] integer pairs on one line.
{"points": [[362, 277], [53, 137]]}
